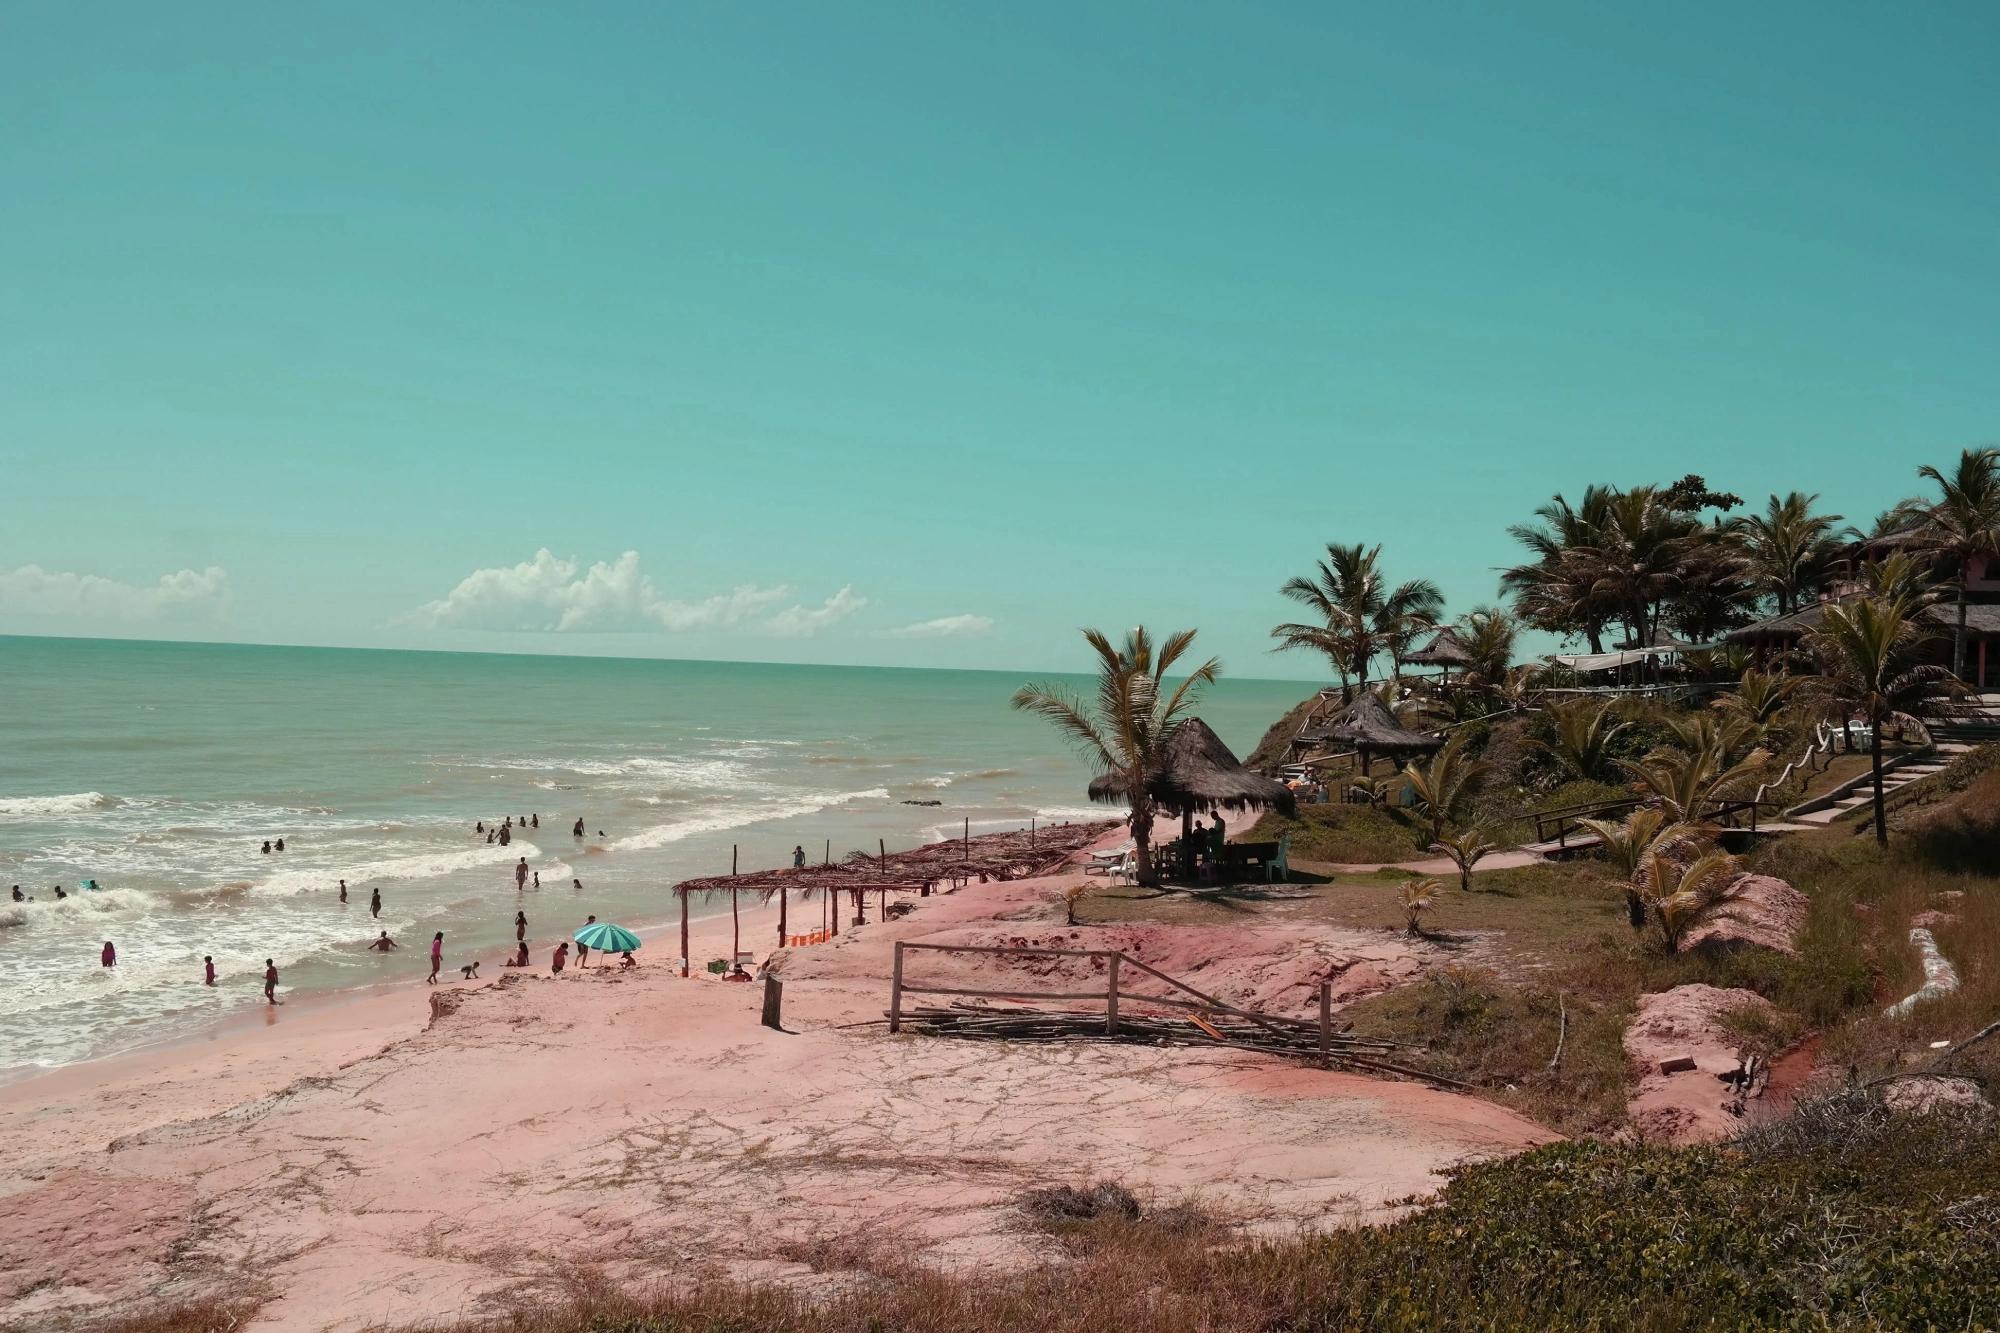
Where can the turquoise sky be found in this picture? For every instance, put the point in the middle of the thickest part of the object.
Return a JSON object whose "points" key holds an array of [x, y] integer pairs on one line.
{"points": [[1005, 319]]}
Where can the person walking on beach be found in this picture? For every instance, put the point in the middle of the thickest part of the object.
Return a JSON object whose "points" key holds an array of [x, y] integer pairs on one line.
{"points": [[520, 926], [798, 858], [437, 958], [521, 874], [208, 969], [109, 958], [375, 901], [383, 943], [270, 981], [561, 956], [343, 890], [582, 949]]}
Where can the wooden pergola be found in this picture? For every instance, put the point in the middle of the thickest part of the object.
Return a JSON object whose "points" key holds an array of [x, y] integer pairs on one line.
{"points": [[1014, 854]]}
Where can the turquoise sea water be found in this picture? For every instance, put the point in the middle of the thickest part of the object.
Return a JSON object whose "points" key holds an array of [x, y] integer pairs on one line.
{"points": [[160, 769]]}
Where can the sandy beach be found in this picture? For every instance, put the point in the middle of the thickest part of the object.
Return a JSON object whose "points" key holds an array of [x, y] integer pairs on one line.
{"points": [[423, 1154]]}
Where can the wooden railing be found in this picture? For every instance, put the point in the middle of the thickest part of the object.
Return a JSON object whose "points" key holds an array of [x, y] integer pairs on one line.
{"points": [[1823, 741], [1564, 819]]}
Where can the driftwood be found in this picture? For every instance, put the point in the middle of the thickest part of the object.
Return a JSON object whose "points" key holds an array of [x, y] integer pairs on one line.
{"points": [[1288, 1037]]}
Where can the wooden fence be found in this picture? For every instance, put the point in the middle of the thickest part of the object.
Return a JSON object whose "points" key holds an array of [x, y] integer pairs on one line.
{"points": [[1265, 1032]]}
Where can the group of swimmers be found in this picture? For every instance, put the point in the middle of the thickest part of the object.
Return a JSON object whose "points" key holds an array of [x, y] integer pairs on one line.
{"points": [[269, 847], [21, 897]]}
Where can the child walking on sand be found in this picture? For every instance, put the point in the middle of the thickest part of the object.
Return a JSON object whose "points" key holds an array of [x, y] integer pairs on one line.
{"points": [[437, 958], [270, 981]]}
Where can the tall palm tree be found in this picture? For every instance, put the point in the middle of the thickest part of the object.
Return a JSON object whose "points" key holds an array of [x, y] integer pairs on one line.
{"points": [[1786, 549], [1125, 728], [1637, 561], [1963, 524], [1439, 786], [1867, 651], [1549, 591], [1901, 579], [1488, 633], [1358, 616]]}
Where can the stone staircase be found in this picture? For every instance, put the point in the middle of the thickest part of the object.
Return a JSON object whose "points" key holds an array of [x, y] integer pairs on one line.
{"points": [[1864, 795]]}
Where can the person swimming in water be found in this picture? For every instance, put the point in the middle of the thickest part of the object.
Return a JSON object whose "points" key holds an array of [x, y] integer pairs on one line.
{"points": [[60, 895], [280, 844], [383, 943], [267, 847], [577, 832], [19, 897]]}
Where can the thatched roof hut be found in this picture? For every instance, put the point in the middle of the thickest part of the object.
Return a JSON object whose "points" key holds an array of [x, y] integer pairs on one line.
{"points": [[1199, 773], [1446, 650], [1369, 726]]}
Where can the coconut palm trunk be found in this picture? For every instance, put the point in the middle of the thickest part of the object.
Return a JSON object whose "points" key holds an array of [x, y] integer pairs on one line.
{"points": [[1875, 765]]}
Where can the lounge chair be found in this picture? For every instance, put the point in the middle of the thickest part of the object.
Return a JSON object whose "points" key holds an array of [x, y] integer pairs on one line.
{"points": [[1125, 870]]}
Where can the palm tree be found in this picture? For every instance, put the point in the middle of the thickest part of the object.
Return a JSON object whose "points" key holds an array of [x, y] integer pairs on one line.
{"points": [[1683, 895], [1126, 728], [1638, 559], [1786, 549], [1964, 524], [1714, 760], [1549, 591], [1466, 848], [1901, 579], [1867, 651], [1439, 786], [1581, 735], [1760, 696], [1416, 897], [1488, 634], [1358, 615], [1630, 844]]}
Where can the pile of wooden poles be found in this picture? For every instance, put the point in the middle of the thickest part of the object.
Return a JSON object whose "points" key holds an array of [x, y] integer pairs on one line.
{"points": [[1294, 1038]]}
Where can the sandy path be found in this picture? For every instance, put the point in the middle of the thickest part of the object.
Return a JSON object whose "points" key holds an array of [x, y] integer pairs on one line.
{"points": [[371, 1168]]}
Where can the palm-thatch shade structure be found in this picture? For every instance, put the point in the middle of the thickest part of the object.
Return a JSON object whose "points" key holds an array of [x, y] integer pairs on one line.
{"points": [[1012, 854], [1199, 773], [1369, 726], [1446, 650]]}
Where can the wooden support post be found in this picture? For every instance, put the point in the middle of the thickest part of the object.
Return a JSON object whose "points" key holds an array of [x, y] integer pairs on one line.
{"points": [[1326, 1025], [732, 858], [896, 990], [829, 853], [774, 999], [783, 894], [860, 908], [965, 842], [735, 932], [685, 960], [1031, 832], [1111, 998], [881, 852]]}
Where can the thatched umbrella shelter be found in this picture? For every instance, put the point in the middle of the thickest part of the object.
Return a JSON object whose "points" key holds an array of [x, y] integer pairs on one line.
{"points": [[1199, 774], [1444, 651], [1369, 726]]}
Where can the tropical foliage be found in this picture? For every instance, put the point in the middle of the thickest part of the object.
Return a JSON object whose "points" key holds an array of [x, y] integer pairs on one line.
{"points": [[1439, 786]]}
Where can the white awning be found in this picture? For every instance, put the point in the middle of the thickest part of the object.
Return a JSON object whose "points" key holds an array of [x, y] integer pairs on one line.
{"points": [[1588, 662]]}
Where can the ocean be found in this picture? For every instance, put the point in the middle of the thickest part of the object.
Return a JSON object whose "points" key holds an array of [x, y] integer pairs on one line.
{"points": [[160, 769]]}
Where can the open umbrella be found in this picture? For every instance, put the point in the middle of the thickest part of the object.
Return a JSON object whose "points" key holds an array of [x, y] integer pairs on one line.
{"points": [[607, 938]]}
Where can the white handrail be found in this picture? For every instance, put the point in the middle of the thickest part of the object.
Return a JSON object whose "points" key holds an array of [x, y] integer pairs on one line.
{"points": [[1823, 738]]}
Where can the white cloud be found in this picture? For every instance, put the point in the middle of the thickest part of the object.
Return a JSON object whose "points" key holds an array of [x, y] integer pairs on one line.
{"points": [[37, 591], [556, 595], [944, 627], [800, 623]]}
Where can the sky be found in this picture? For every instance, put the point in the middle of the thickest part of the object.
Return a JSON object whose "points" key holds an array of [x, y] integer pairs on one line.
{"points": [[926, 334]]}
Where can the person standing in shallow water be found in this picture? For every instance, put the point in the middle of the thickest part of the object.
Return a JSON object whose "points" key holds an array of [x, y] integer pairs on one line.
{"points": [[577, 832], [109, 958], [208, 969], [520, 926], [375, 902], [437, 958], [521, 874], [343, 890], [798, 858], [270, 981]]}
